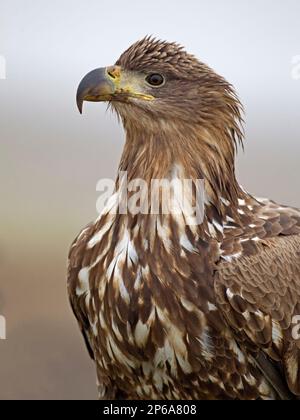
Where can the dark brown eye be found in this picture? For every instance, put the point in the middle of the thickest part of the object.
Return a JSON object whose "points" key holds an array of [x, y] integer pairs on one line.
{"points": [[155, 79]]}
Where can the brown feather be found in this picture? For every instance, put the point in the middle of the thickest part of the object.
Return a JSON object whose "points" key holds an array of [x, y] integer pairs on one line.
{"points": [[171, 311]]}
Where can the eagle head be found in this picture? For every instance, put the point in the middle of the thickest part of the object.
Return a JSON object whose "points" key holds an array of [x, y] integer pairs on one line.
{"points": [[159, 81]]}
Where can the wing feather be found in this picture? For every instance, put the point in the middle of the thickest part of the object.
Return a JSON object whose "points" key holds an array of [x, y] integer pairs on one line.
{"points": [[76, 256], [259, 296]]}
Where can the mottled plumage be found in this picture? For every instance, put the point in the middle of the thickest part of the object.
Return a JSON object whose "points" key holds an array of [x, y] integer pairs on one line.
{"points": [[176, 311]]}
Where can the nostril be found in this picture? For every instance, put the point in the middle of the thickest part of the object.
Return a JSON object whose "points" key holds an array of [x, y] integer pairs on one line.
{"points": [[113, 72]]}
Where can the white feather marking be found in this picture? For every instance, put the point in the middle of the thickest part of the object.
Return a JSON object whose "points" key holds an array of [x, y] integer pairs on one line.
{"points": [[186, 243], [132, 254], [187, 305], [123, 292], [237, 352], [277, 335], [206, 344], [229, 294], [102, 321], [120, 251], [229, 227], [147, 368], [212, 230], [83, 285], [129, 333], [214, 379], [259, 314], [163, 232], [240, 385], [229, 258], [247, 315], [256, 239], [184, 364], [218, 226], [157, 379], [117, 331], [137, 282], [95, 328], [225, 201], [141, 333], [250, 379], [292, 366], [118, 355], [99, 235], [212, 307]]}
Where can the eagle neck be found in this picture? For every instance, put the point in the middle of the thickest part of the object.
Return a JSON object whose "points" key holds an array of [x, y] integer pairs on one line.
{"points": [[196, 153]]}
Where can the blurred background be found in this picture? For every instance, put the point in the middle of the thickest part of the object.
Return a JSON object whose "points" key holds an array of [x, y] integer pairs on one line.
{"points": [[51, 157]]}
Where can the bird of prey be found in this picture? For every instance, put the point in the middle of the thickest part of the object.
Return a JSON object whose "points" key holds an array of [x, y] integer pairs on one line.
{"points": [[175, 310]]}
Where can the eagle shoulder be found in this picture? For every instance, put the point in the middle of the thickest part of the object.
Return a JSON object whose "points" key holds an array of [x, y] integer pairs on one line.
{"points": [[259, 294]]}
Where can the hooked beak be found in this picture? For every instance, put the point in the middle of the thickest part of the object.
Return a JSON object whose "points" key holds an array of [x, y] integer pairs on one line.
{"points": [[97, 86], [110, 84]]}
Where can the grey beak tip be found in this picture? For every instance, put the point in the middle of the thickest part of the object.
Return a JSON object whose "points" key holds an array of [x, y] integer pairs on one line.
{"points": [[80, 108], [79, 102]]}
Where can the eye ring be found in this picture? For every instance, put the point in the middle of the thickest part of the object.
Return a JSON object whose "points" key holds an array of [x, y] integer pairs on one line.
{"points": [[155, 80]]}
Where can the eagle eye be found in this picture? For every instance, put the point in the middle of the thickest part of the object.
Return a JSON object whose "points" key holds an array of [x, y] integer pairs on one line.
{"points": [[155, 79]]}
